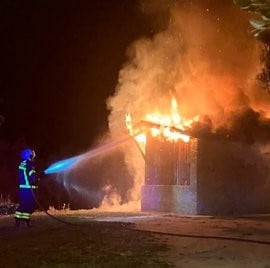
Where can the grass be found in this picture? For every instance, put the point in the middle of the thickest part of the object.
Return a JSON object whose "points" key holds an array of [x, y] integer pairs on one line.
{"points": [[91, 244]]}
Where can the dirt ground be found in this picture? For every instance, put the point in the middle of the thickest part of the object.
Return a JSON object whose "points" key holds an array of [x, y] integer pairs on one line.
{"points": [[133, 239]]}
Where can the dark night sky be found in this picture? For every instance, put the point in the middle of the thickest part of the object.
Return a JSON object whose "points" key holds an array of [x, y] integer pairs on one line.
{"points": [[60, 61]]}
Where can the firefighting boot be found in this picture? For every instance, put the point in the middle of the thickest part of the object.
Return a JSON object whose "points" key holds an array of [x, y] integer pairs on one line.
{"points": [[28, 223], [17, 222]]}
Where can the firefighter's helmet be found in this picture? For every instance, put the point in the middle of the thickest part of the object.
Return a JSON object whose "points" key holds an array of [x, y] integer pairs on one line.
{"points": [[28, 154]]}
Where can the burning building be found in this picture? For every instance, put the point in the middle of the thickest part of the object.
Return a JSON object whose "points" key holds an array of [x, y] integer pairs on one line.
{"points": [[206, 59], [204, 176], [170, 176], [201, 174]]}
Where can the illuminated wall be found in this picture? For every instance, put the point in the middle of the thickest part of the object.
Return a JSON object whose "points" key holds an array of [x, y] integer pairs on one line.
{"points": [[206, 176], [170, 176]]}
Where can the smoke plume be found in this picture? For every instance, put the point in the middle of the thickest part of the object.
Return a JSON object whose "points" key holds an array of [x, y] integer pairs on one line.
{"points": [[207, 59]]}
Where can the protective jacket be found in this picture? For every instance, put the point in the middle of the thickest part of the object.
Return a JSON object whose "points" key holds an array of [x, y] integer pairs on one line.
{"points": [[27, 188]]}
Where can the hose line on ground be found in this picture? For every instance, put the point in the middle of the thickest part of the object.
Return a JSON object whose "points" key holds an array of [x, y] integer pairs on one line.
{"points": [[50, 215], [162, 233]]}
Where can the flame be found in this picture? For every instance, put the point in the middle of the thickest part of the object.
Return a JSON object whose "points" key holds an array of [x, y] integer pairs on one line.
{"points": [[167, 125]]}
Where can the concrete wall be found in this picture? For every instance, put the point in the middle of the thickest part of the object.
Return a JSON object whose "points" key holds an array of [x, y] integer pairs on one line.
{"points": [[225, 178], [232, 178], [168, 198]]}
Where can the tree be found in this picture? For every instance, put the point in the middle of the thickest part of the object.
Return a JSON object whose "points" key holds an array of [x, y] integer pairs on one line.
{"points": [[261, 26], [261, 30]]}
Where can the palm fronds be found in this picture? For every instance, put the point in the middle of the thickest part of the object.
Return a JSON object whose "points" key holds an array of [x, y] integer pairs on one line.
{"points": [[262, 8]]}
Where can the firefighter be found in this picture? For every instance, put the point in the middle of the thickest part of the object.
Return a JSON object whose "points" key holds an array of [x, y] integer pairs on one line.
{"points": [[27, 188]]}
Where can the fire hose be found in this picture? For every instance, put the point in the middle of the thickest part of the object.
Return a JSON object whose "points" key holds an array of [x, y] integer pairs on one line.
{"points": [[237, 239], [42, 208], [67, 163]]}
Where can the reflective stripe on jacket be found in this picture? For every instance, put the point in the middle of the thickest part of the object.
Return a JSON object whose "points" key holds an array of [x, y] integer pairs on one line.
{"points": [[22, 215], [27, 175]]}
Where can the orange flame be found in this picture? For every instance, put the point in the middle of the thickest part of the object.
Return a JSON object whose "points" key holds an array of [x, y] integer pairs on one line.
{"points": [[166, 122]]}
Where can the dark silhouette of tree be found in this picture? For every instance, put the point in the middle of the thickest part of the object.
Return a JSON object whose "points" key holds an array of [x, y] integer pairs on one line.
{"points": [[261, 30]]}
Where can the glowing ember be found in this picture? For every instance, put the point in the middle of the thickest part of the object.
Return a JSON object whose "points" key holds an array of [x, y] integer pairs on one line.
{"points": [[166, 125]]}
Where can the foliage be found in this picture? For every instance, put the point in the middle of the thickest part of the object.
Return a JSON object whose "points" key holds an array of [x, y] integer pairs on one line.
{"points": [[264, 75], [261, 30], [6, 206], [7, 209], [261, 26]]}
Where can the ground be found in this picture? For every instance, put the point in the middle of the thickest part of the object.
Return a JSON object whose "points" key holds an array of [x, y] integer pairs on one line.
{"points": [[92, 238]]}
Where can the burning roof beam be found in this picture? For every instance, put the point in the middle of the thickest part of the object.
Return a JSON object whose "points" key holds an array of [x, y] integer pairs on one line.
{"points": [[144, 126]]}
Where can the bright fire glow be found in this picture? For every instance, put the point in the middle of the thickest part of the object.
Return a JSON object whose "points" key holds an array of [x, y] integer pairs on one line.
{"points": [[167, 125]]}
